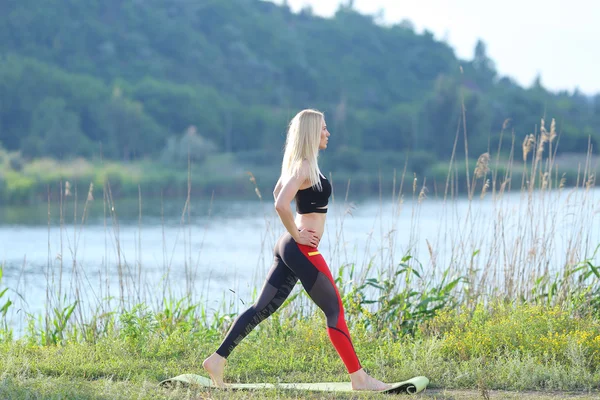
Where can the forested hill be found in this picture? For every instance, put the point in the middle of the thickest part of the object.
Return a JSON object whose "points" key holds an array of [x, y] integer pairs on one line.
{"points": [[121, 77]]}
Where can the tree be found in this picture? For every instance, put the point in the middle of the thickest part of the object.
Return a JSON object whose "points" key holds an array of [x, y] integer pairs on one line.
{"points": [[484, 69], [237, 69], [439, 117], [481, 61], [129, 132], [55, 131]]}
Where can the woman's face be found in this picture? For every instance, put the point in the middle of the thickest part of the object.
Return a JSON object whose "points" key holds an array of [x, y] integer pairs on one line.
{"points": [[324, 136]]}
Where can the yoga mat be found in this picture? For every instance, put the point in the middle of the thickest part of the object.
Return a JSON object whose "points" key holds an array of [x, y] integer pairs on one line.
{"points": [[411, 386]]}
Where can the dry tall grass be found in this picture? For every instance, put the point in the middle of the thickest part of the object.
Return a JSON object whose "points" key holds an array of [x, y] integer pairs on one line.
{"points": [[507, 244]]}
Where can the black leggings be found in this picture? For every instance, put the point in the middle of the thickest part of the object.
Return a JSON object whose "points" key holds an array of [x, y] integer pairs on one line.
{"points": [[292, 262]]}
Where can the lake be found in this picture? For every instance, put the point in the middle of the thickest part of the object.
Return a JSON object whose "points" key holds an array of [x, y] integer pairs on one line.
{"points": [[220, 251]]}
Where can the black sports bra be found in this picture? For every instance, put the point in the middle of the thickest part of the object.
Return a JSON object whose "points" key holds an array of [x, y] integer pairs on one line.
{"points": [[310, 200]]}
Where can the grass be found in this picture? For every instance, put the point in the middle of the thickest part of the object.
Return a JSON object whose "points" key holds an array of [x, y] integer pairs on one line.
{"points": [[284, 349]]}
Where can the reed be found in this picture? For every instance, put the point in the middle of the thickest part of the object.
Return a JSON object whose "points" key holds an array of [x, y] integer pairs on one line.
{"points": [[472, 251]]}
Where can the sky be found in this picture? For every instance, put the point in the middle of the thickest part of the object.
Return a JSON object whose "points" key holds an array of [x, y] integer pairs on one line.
{"points": [[557, 39]]}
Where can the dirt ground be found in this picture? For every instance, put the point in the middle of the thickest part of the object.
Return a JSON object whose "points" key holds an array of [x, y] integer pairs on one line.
{"points": [[502, 395]]}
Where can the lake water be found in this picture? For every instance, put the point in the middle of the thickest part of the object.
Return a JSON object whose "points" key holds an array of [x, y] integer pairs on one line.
{"points": [[224, 246]]}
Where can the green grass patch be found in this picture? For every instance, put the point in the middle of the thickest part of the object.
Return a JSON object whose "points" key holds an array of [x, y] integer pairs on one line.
{"points": [[515, 348]]}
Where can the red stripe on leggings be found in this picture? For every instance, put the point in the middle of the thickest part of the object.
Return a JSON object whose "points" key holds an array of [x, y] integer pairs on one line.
{"points": [[339, 334]]}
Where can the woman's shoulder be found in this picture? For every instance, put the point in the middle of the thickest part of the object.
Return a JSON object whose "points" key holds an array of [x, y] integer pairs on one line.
{"points": [[304, 170]]}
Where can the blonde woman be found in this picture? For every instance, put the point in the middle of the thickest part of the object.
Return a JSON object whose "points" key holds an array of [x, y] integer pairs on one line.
{"points": [[296, 253]]}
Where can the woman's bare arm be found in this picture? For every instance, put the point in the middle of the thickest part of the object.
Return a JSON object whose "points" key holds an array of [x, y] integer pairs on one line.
{"points": [[283, 207], [277, 189]]}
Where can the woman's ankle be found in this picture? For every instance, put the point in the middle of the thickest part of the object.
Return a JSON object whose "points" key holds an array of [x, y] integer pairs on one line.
{"points": [[359, 375]]}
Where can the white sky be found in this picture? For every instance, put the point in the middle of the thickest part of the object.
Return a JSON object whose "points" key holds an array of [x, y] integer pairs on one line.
{"points": [[559, 39]]}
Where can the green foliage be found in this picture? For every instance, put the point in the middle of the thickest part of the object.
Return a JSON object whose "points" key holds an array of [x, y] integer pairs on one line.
{"points": [[218, 172], [390, 303], [239, 70], [5, 303], [53, 329], [504, 347], [578, 286], [176, 314], [548, 334], [128, 132], [60, 318], [54, 130], [138, 325]]}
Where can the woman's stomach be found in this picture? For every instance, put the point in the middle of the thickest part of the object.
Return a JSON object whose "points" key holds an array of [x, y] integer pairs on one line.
{"points": [[312, 221]]}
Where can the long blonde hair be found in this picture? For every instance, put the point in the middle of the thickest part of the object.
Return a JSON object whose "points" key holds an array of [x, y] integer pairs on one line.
{"points": [[302, 143]]}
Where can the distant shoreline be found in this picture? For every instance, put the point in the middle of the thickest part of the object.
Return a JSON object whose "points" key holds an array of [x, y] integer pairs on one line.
{"points": [[40, 181]]}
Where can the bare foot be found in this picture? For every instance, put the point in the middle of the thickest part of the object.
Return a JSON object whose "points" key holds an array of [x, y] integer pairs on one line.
{"points": [[214, 365], [362, 381]]}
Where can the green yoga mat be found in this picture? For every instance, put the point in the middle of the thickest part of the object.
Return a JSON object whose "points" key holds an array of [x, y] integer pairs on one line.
{"points": [[411, 386]]}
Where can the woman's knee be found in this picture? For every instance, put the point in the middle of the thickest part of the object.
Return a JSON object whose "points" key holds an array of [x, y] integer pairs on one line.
{"points": [[331, 311]]}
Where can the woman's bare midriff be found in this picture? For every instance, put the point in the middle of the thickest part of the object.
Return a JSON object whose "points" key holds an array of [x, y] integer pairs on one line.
{"points": [[312, 221]]}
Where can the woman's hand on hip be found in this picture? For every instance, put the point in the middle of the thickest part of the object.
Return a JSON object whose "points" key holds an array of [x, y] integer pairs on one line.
{"points": [[308, 237]]}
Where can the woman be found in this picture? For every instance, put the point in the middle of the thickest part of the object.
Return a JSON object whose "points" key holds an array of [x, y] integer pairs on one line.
{"points": [[296, 254]]}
